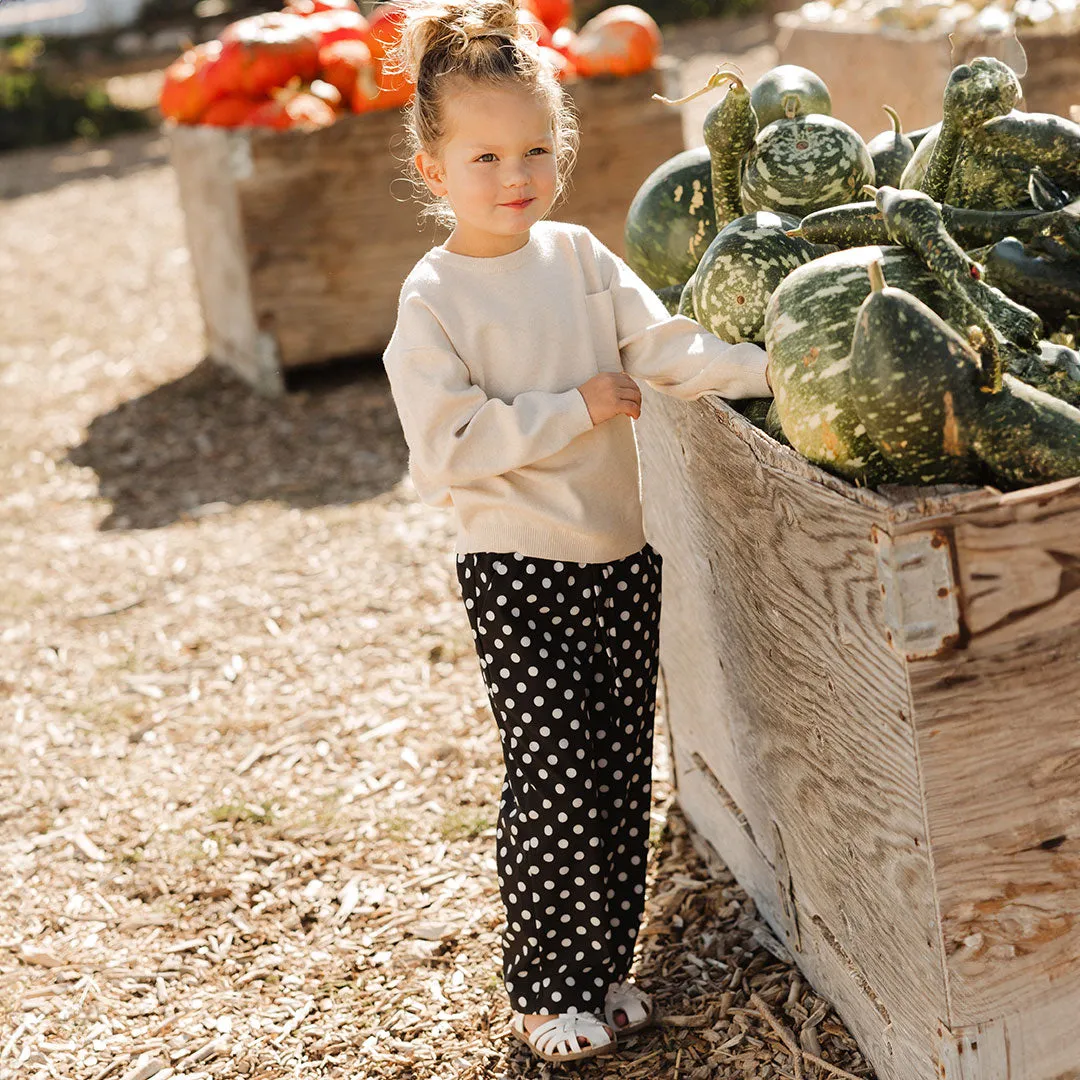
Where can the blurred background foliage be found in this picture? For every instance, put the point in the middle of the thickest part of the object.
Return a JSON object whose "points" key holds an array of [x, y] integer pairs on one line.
{"points": [[37, 107]]}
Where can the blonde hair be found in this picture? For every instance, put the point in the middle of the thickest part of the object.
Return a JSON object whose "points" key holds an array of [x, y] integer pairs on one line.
{"points": [[453, 44]]}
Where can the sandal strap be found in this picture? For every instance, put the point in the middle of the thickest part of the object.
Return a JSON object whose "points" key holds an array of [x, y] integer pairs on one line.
{"points": [[563, 1035], [625, 996]]}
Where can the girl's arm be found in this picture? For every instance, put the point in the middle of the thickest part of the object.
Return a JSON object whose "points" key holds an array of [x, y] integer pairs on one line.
{"points": [[457, 434], [673, 353]]}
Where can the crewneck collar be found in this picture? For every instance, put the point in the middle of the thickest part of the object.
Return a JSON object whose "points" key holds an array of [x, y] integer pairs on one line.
{"points": [[488, 264]]}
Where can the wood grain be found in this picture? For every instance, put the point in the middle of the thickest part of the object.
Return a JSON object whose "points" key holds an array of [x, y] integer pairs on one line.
{"points": [[771, 579], [998, 725], [874, 699]]}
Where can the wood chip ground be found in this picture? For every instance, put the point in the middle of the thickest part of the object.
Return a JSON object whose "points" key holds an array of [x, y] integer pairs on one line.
{"points": [[248, 776]]}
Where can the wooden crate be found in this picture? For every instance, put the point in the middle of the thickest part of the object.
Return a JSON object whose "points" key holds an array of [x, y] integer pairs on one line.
{"points": [[300, 241], [865, 69], [875, 711]]}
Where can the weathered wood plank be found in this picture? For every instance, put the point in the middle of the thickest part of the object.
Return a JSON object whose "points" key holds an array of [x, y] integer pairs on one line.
{"points": [[998, 725], [774, 581], [207, 165]]}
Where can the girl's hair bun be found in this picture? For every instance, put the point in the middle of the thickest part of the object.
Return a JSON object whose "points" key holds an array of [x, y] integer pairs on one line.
{"points": [[445, 30]]}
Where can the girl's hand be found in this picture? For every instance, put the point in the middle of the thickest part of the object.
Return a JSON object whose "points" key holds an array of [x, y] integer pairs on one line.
{"points": [[610, 394]]}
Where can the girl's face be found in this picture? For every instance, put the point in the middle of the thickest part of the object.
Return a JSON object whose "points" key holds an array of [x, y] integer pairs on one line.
{"points": [[497, 168]]}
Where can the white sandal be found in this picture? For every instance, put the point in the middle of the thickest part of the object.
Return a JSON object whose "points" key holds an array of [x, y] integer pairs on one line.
{"points": [[560, 1039], [634, 1003]]}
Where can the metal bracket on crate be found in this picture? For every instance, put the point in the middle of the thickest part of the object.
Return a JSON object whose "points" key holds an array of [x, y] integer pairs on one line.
{"points": [[918, 589]]}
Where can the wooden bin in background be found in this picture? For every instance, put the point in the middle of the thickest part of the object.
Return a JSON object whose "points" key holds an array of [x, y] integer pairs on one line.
{"points": [[300, 241], [875, 714], [866, 68]]}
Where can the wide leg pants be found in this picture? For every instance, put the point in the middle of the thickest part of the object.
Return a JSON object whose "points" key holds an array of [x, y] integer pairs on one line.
{"points": [[569, 652]]}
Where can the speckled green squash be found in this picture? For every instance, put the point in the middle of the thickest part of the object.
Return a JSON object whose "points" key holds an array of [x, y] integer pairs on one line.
{"points": [[686, 300], [809, 323], [861, 223], [974, 93], [993, 166], [802, 165], [914, 219], [670, 222], [789, 90], [854, 224], [740, 270], [915, 383], [729, 130], [904, 364], [670, 295]]}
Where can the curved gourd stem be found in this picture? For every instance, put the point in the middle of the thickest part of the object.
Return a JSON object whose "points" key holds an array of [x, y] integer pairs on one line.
{"points": [[877, 275], [894, 116], [718, 78]]}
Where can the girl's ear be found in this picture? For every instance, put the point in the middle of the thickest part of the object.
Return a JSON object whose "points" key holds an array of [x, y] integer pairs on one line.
{"points": [[432, 172]]}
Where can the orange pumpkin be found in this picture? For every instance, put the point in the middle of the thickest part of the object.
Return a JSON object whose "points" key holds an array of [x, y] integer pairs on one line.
{"points": [[262, 52], [623, 40], [343, 63], [339, 26], [562, 41], [312, 7], [553, 13], [233, 110], [384, 31], [192, 82], [292, 109]]}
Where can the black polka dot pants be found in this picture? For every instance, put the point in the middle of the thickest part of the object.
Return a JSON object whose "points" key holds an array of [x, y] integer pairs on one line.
{"points": [[569, 656]]}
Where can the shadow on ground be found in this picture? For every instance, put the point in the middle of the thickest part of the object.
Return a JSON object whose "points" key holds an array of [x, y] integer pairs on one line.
{"points": [[206, 442]]}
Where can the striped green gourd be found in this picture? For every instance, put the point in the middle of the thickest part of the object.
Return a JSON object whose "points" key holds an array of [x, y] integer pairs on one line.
{"points": [[739, 271], [809, 323], [804, 164], [670, 222]]}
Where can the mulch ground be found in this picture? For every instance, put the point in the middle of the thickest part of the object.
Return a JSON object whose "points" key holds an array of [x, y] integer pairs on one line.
{"points": [[248, 775]]}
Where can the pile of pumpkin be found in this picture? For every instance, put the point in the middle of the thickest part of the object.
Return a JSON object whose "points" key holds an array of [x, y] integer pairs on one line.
{"points": [[917, 295], [317, 59]]}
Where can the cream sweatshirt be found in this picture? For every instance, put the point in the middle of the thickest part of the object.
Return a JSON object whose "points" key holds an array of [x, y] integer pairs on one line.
{"points": [[485, 364]]}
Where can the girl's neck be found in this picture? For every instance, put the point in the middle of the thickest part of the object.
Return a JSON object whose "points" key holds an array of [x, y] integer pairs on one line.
{"points": [[484, 245]]}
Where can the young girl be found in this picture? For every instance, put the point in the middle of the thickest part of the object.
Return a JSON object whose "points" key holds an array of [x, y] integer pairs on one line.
{"points": [[513, 367]]}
